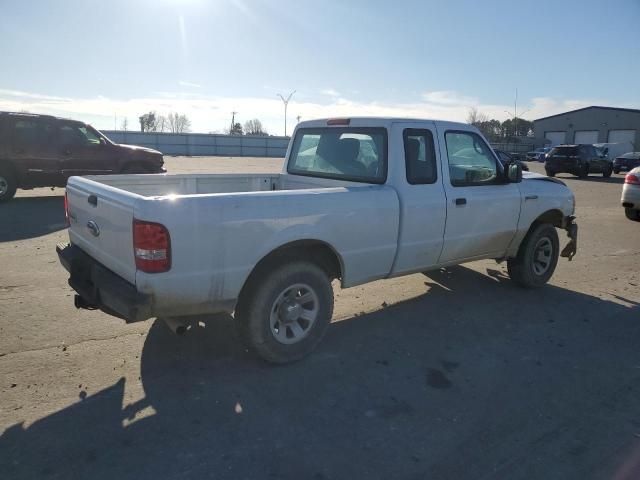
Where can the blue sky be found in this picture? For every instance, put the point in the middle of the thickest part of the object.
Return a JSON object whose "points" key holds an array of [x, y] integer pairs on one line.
{"points": [[96, 60]]}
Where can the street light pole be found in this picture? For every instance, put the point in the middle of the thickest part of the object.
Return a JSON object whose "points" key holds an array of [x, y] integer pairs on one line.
{"points": [[286, 104]]}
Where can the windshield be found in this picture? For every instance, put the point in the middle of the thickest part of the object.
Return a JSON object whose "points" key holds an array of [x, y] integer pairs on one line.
{"points": [[353, 154]]}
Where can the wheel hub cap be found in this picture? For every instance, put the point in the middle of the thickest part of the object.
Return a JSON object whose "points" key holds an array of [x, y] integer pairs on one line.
{"points": [[294, 313], [4, 186], [542, 254]]}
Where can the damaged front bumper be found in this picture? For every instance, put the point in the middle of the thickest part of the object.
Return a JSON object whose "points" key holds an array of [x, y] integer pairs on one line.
{"points": [[569, 224]]}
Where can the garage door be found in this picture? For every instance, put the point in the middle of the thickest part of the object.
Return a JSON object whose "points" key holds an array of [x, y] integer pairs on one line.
{"points": [[556, 138], [586, 136], [626, 137]]}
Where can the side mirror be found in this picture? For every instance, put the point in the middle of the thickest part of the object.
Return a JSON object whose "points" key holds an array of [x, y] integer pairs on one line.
{"points": [[513, 172]]}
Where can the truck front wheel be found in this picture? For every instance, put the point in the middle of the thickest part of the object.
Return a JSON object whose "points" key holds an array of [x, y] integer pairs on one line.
{"points": [[537, 257], [285, 311]]}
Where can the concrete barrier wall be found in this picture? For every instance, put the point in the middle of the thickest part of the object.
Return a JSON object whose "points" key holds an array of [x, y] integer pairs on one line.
{"points": [[195, 144]]}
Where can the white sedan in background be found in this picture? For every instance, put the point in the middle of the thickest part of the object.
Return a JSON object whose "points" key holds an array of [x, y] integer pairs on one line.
{"points": [[631, 195]]}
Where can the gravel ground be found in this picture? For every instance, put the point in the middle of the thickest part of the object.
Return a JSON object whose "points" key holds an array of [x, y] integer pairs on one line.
{"points": [[457, 374]]}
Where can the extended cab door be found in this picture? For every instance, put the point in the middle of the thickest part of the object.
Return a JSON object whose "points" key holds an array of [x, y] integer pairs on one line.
{"points": [[482, 210], [418, 180], [83, 151], [31, 149]]}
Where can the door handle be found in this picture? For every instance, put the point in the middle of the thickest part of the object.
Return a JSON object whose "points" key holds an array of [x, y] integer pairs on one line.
{"points": [[93, 200], [531, 197], [461, 201]]}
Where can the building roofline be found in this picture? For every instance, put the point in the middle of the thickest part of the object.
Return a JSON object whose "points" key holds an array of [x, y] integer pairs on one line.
{"points": [[618, 109]]}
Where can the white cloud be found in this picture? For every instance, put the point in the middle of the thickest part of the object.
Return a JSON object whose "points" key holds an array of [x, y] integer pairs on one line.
{"points": [[214, 113], [184, 83], [330, 92]]}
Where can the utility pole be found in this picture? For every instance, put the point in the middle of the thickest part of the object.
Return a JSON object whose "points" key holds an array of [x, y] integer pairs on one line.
{"points": [[286, 103], [515, 114]]}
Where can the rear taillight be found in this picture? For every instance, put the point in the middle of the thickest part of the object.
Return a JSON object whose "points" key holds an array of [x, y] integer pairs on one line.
{"points": [[632, 179], [66, 209], [151, 247]]}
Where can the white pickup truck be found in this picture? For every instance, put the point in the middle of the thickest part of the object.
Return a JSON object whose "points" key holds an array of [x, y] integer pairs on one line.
{"points": [[358, 200]]}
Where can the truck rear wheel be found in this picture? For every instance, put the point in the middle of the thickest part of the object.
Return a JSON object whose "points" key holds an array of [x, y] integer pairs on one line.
{"points": [[284, 312], [8, 184], [537, 257]]}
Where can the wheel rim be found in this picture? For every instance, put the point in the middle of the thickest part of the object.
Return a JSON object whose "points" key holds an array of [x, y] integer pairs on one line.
{"points": [[4, 186], [293, 314], [542, 256]]}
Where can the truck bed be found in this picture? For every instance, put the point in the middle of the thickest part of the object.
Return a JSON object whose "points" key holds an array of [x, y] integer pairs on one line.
{"points": [[221, 225], [203, 184]]}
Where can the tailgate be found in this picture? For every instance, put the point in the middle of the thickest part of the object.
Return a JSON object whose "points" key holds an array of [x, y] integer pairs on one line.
{"points": [[101, 220]]}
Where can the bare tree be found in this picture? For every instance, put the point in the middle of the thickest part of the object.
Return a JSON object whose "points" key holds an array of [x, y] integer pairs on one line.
{"points": [[178, 123], [162, 124], [474, 117], [125, 124], [254, 127]]}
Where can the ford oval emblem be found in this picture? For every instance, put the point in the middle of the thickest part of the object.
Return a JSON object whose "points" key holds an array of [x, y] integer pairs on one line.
{"points": [[93, 228]]}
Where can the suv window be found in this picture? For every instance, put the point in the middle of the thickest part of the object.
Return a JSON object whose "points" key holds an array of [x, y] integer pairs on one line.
{"points": [[419, 156], [77, 134], [351, 153], [471, 162], [31, 131], [564, 151]]}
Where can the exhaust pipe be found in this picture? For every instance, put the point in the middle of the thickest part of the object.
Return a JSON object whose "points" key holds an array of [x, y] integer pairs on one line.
{"points": [[176, 325]]}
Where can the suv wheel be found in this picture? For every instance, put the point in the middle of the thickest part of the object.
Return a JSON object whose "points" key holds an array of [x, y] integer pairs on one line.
{"points": [[537, 257], [285, 311], [8, 184], [583, 171], [606, 173], [550, 173]]}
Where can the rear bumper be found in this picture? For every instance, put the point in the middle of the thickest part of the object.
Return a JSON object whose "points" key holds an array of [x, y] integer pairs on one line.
{"points": [[100, 288]]}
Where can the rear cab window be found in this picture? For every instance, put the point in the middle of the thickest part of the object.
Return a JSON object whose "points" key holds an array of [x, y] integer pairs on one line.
{"points": [[342, 153], [564, 152], [420, 156]]}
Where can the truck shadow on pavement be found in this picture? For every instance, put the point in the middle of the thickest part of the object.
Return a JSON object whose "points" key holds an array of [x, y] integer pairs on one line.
{"points": [[474, 379], [28, 217]]}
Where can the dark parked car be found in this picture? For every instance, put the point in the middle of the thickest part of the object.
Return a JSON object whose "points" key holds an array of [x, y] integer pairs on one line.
{"points": [[538, 154], [626, 162], [580, 160], [505, 157], [44, 151]]}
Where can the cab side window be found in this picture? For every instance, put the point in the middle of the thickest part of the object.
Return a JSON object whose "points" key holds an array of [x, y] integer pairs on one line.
{"points": [[420, 156], [77, 135], [31, 132], [471, 162]]}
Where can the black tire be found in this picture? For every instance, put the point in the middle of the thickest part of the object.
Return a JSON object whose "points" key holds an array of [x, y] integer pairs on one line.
{"points": [[583, 170], [525, 269], [8, 183], [632, 214], [616, 171], [258, 308], [550, 173], [133, 168], [606, 173]]}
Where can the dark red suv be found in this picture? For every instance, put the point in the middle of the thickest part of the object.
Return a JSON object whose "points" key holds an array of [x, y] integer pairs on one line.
{"points": [[44, 151]]}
